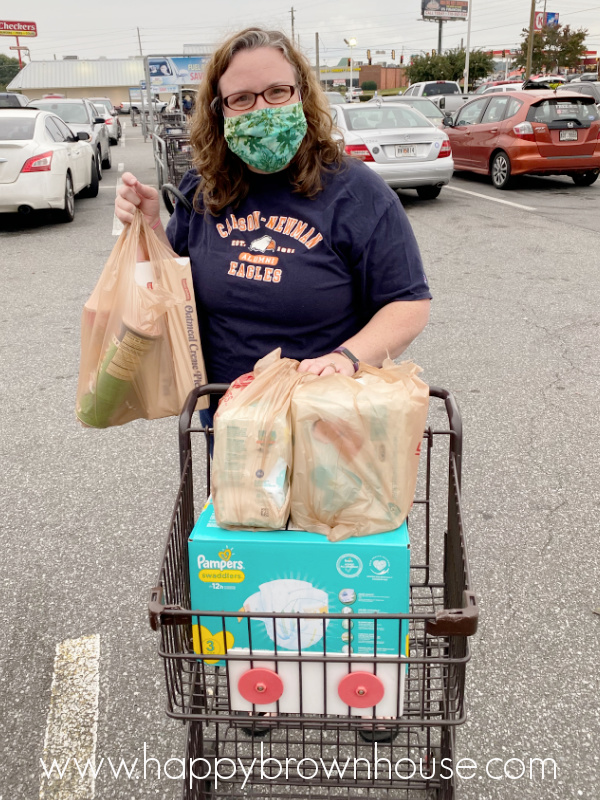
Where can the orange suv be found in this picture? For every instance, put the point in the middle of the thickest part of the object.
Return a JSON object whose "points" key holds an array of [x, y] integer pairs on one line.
{"points": [[536, 131]]}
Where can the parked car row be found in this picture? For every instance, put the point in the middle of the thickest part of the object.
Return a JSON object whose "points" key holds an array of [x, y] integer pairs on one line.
{"points": [[411, 143], [52, 149], [44, 163]]}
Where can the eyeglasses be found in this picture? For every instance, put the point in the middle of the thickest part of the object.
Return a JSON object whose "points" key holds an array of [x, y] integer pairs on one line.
{"points": [[274, 96]]}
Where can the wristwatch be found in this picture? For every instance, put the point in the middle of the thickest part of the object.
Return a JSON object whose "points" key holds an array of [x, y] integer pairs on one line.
{"points": [[345, 352]]}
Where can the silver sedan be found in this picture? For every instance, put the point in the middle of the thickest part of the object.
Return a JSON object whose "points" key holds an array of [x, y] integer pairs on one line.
{"points": [[398, 143]]}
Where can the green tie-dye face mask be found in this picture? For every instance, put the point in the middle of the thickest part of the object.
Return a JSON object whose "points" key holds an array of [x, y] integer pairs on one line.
{"points": [[268, 138]]}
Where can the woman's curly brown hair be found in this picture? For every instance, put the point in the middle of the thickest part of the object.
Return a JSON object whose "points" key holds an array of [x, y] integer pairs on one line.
{"points": [[224, 176]]}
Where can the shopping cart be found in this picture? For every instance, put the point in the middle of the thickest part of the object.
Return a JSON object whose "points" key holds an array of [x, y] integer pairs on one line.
{"points": [[443, 614]]}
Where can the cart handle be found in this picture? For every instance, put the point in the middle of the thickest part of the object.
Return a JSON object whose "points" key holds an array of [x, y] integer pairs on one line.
{"points": [[456, 621], [169, 189], [159, 614]]}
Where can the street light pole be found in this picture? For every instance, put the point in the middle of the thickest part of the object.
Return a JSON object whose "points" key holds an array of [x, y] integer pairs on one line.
{"points": [[351, 44]]}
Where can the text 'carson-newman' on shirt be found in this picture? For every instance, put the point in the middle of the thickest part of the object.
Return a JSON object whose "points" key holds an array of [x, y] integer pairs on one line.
{"points": [[286, 225]]}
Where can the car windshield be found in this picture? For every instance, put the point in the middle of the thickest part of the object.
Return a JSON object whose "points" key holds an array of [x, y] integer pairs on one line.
{"points": [[440, 88], [102, 106], [557, 109], [69, 112], [385, 117], [426, 107], [7, 101], [15, 128]]}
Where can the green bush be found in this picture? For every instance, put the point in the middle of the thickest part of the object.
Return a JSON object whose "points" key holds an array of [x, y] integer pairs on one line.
{"points": [[368, 86]]}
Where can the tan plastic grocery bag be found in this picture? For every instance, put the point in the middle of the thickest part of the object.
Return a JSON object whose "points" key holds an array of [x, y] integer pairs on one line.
{"points": [[252, 458], [356, 450], [140, 343]]}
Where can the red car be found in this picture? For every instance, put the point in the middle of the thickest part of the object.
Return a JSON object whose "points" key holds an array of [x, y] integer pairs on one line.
{"points": [[536, 132]]}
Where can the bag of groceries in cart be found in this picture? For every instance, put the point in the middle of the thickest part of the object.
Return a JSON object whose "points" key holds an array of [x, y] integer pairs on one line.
{"points": [[357, 442], [252, 458], [140, 342]]}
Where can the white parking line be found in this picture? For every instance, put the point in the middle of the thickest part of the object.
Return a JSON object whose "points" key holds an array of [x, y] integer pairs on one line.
{"points": [[492, 199], [72, 726]]}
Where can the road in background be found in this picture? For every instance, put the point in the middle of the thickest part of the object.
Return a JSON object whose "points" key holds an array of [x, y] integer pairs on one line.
{"points": [[513, 333]]}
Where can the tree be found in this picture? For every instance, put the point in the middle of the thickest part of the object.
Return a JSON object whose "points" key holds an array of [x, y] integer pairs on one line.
{"points": [[9, 67], [450, 66], [553, 47]]}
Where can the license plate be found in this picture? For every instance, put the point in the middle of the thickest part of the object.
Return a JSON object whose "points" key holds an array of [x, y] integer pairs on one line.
{"points": [[568, 136], [406, 150]]}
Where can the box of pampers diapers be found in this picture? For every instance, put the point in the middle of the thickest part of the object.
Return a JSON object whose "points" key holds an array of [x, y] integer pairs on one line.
{"points": [[292, 571]]}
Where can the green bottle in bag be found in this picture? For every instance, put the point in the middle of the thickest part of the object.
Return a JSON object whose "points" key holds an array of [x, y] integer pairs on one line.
{"points": [[119, 367]]}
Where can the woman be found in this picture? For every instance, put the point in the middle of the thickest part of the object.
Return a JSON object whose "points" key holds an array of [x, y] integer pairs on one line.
{"points": [[292, 244]]}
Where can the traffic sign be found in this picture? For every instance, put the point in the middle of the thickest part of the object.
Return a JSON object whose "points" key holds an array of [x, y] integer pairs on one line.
{"points": [[11, 28]]}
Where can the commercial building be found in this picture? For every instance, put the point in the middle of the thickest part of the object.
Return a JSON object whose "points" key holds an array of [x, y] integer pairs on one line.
{"points": [[73, 77]]}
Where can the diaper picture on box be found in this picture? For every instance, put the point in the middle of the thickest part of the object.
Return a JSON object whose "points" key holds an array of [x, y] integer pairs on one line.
{"points": [[298, 572]]}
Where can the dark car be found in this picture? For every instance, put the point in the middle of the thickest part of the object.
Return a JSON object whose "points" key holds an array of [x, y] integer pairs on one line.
{"points": [[81, 115], [13, 100]]}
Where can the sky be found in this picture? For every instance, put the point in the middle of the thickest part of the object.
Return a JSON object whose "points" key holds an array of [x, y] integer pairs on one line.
{"points": [[110, 27]]}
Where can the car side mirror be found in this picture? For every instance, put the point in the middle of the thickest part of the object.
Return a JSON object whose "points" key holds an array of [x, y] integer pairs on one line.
{"points": [[98, 120], [448, 121], [83, 136]]}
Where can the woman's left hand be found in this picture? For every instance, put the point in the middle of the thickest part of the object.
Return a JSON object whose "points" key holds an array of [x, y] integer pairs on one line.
{"points": [[327, 365]]}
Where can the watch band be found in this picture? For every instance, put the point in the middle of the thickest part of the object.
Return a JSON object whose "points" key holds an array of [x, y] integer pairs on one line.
{"points": [[345, 352]]}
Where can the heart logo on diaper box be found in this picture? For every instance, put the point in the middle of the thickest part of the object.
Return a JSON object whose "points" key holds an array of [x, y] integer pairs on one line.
{"points": [[225, 555], [380, 564]]}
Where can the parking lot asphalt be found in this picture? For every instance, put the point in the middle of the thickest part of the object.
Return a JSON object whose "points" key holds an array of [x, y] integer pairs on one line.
{"points": [[513, 334]]}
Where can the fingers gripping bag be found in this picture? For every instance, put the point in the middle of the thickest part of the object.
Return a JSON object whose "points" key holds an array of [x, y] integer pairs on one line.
{"points": [[140, 345], [252, 458], [357, 442]]}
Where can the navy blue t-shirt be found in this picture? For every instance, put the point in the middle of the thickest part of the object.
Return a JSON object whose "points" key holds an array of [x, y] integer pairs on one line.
{"points": [[282, 270]]}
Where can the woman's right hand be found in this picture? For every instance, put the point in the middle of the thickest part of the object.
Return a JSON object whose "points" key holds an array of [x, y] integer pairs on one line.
{"points": [[132, 194]]}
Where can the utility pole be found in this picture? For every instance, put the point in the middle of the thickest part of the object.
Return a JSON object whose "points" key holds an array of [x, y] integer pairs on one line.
{"points": [[293, 37], [140, 41], [530, 43], [317, 64], [468, 50], [440, 29]]}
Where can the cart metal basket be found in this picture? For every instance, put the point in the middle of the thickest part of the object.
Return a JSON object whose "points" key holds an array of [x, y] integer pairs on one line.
{"points": [[172, 154], [408, 756]]}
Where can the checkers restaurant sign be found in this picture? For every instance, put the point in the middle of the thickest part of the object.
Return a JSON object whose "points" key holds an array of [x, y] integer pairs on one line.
{"points": [[11, 28]]}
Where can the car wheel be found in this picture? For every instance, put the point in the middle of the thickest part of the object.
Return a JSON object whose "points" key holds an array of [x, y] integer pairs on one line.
{"points": [[92, 189], [99, 164], [500, 170], [68, 212], [107, 163], [585, 178], [113, 142], [428, 192]]}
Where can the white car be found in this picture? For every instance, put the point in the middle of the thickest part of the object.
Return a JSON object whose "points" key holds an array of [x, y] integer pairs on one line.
{"points": [[398, 143], [111, 120], [516, 86], [43, 163]]}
